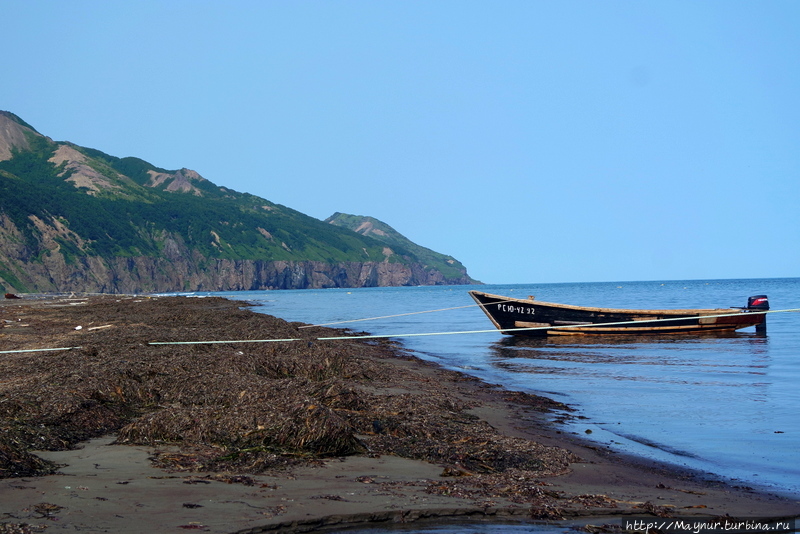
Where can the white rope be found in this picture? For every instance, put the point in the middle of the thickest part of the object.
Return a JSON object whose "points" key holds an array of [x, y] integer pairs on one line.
{"points": [[383, 336], [35, 350], [230, 341], [403, 314], [380, 336], [392, 316]]}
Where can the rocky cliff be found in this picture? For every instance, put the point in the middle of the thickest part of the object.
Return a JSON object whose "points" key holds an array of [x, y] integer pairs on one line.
{"points": [[76, 219], [181, 269]]}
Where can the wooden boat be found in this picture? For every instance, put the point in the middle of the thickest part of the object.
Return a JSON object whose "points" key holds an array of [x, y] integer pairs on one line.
{"points": [[530, 317]]}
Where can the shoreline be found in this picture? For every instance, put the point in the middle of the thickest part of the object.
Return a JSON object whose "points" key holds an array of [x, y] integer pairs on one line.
{"points": [[108, 487]]}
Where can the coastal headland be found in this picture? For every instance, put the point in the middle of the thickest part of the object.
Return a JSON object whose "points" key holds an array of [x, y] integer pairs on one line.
{"points": [[103, 431]]}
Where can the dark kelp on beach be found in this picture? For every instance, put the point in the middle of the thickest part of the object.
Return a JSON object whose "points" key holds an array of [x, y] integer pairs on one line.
{"points": [[244, 408], [234, 412]]}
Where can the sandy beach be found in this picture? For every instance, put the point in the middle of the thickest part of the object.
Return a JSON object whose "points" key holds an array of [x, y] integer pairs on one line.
{"points": [[111, 433]]}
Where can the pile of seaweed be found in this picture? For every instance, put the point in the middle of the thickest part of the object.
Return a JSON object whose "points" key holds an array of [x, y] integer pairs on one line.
{"points": [[239, 407]]}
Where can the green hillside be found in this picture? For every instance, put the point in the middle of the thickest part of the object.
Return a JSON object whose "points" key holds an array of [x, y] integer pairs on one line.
{"points": [[380, 231], [60, 198]]}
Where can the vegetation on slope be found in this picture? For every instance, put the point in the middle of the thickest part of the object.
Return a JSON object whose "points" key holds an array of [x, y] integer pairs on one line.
{"points": [[93, 204], [219, 224], [372, 227]]}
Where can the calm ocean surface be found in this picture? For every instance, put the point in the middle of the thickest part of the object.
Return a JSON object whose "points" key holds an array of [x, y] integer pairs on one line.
{"points": [[727, 405]]}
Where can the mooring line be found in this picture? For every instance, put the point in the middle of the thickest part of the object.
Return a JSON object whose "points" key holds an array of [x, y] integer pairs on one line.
{"points": [[403, 314], [231, 341], [390, 316], [384, 336], [36, 350], [420, 334]]}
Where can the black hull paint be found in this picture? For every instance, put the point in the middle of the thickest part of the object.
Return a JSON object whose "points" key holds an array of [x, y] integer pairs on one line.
{"points": [[526, 317]]}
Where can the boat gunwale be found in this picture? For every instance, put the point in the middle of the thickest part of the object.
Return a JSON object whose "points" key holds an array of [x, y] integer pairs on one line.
{"points": [[677, 312]]}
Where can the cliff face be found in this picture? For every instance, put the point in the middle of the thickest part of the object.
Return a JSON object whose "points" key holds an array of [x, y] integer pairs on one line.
{"points": [[181, 269], [76, 219], [371, 227]]}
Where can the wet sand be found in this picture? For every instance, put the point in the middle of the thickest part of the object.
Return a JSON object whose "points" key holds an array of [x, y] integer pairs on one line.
{"points": [[425, 443]]}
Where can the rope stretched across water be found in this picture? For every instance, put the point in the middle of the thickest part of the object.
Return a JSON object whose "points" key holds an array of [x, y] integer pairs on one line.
{"points": [[459, 332], [392, 316], [402, 314], [386, 336]]}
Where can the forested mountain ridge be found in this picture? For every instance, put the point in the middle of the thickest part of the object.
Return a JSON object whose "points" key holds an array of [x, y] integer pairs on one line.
{"points": [[76, 219]]}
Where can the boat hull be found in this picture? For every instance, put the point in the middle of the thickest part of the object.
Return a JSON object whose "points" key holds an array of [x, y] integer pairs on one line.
{"points": [[529, 317]]}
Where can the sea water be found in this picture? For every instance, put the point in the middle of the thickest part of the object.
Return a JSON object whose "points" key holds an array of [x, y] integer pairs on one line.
{"points": [[724, 404]]}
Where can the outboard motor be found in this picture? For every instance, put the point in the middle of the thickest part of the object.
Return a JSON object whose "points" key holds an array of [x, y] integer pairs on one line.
{"points": [[759, 303]]}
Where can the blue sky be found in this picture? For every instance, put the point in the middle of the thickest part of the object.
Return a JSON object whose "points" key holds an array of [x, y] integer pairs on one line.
{"points": [[535, 141]]}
